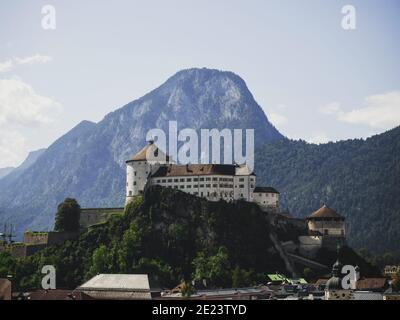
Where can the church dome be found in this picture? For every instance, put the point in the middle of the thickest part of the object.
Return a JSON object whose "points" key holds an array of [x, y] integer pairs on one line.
{"points": [[334, 283]]}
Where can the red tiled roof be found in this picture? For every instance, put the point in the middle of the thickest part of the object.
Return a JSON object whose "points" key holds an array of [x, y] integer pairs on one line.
{"points": [[57, 294], [371, 284], [195, 170], [325, 212], [150, 150]]}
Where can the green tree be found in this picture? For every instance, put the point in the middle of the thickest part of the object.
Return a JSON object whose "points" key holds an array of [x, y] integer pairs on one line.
{"points": [[309, 274], [129, 249], [101, 261], [214, 269], [68, 215], [7, 264]]}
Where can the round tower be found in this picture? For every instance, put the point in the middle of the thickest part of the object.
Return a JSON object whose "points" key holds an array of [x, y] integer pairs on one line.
{"points": [[139, 169]]}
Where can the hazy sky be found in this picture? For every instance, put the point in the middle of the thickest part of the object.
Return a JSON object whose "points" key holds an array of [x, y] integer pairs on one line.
{"points": [[315, 80]]}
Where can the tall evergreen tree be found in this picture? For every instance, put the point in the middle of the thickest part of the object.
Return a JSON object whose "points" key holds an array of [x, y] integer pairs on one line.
{"points": [[68, 215]]}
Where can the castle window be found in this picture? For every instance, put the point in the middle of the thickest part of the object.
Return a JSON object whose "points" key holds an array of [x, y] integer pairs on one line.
{"points": [[158, 180], [208, 179], [202, 186], [195, 179], [241, 186], [163, 180], [169, 180], [134, 183], [208, 185], [215, 179], [201, 179], [189, 186], [189, 179], [182, 187], [215, 186], [182, 180], [241, 180], [134, 173], [130, 193]]}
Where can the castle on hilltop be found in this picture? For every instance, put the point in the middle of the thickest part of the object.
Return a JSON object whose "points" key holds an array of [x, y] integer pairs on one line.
{"points": [[229, 182]]}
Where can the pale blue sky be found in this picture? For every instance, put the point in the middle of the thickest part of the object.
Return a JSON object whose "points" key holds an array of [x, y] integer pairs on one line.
{"points": [[314, 80]]}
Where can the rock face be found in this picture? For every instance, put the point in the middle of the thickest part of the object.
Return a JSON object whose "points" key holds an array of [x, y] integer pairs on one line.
{"points": [[5, 171], [88, 163]]}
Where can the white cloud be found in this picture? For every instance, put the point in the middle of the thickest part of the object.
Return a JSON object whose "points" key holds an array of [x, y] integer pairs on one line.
{"points": [[331, 108], [33, 59], [22, 110], [20, 104], [381, 111], [12, 63], [12, 147], [277, 119], [6, 65]]}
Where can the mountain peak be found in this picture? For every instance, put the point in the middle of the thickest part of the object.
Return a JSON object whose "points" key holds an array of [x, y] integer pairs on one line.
{"points": [[88, 162]]}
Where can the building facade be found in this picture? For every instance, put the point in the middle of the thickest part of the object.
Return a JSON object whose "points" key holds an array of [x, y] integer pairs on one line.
{"points": [[267, 198], [151, 166], [326, 222]]}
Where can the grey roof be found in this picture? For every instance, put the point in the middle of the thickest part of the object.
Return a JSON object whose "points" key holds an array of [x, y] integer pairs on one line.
{"points": [[265, 190], [117, 282]]}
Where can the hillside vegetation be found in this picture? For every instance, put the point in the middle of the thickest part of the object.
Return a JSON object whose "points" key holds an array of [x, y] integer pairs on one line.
{"points": [[172, 236], [360, 179]]}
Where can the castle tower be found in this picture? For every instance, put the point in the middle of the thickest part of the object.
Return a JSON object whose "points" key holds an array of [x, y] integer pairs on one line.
{"points": [[326, 222], [140, 167]]}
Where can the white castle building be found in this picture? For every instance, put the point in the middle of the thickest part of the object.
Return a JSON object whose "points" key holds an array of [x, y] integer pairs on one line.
{"points": [[150, 166]]}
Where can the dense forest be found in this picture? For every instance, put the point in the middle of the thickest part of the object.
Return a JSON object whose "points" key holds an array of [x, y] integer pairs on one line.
{"points": [[360, 179], [173, 237], [169, 234]]}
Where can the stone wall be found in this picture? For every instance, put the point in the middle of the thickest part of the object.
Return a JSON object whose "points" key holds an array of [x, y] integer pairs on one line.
{"points": [[22, 250], [92, 216], [48, 238], [60, 237], [309, 245], [35, 237]]}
